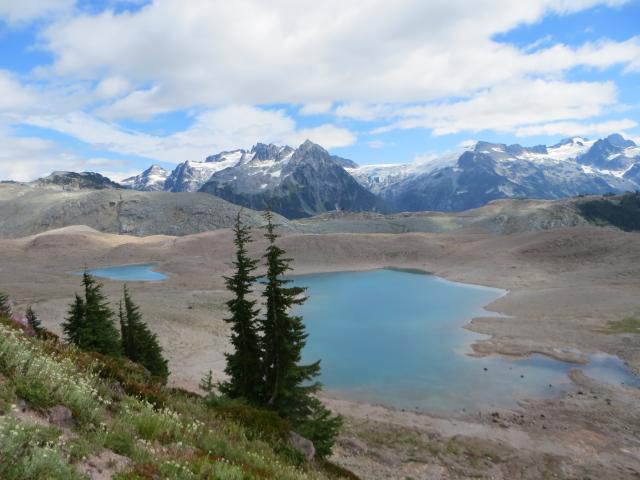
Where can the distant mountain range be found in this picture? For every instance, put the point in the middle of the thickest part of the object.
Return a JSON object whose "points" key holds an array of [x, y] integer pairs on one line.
{"points": [[293, 182], [491, 171], [308, 180]]}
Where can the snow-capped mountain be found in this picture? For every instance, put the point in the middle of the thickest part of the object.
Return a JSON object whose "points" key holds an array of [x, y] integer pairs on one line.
{"points": [[190, 176], [378, 178], [308, 180], [152, 179], [295, 183], [491, 171], [613, 154]]}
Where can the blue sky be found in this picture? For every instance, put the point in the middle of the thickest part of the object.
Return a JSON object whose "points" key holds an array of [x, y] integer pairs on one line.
{"points": [[113, 86]]}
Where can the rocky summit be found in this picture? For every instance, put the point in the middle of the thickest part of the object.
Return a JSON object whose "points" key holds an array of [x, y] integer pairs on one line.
{"points": [[75, 181], [295, 183]]}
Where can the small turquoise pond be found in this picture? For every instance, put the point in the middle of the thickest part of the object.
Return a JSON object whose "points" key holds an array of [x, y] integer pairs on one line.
{"points": [[396, 338], [142, 272]]}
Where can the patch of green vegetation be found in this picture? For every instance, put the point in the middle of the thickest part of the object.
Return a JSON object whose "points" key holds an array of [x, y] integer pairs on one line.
{"points": [[620, 211], [121, 439], [264, 424], [166, 433], [83, 446], [626, 325], [7, 396], [45, 379], [32, 452]]}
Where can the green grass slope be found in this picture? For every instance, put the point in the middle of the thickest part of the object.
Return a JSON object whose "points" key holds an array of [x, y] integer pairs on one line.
{"points": [[148, 431]]}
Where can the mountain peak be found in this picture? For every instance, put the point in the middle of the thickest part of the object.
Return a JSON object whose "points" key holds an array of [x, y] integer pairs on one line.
{"points": [[262, 151], [619, 141], [152, 179], [571, 141], [482, 146], [155, 168], [225, 155], [308, 144]]}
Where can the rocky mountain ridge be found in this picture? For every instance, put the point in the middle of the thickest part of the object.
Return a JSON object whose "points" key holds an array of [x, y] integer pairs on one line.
{"points": [[491, 171], [308, 180], [295, 183]]}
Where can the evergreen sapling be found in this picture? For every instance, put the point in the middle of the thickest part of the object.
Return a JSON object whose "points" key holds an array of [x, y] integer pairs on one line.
{"points": [[244, 364]]}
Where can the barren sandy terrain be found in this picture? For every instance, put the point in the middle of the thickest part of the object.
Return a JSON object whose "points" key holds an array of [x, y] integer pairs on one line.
{"points": [[565, 287]]}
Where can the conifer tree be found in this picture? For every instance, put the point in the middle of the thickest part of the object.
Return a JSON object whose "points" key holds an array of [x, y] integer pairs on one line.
{"points": [[288, 386], [5, 306], [139, 344], [207, 384], [283, 335], [100, 335], [122, 320], [244, 364], [90, 321], [34, 322], [74, 324]]}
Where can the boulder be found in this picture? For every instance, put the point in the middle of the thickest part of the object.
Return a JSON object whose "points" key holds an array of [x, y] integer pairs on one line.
{"points": [[303, 445], [61, 416]]}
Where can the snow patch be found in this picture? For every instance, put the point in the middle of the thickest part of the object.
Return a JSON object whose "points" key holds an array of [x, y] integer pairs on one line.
{"points": [[568, 151]]}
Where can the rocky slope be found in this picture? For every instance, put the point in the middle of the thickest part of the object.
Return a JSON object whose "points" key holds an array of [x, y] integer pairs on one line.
{"points": [[295, 183], [499, 217], [26, 209]]}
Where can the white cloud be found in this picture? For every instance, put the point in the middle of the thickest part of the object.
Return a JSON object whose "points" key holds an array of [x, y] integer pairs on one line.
{"points": [[137, 105], [315, 108], [363, 111], [197, 53], [569, 129], [27, 158], [15, 11], [221, 129], [508, 107], [113, 86], [397, 62], [329, 136], [14, 97]]}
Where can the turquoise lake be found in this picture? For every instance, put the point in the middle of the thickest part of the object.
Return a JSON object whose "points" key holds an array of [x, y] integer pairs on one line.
{"points": [[142, 272], [396, 338]]}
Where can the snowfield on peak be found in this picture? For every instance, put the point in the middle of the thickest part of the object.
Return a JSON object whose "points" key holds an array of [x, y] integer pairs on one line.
{"points": [[378, 177]]}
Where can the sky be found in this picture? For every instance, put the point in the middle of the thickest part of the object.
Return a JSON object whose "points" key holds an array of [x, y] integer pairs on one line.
{"points": [[114, 86]]}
